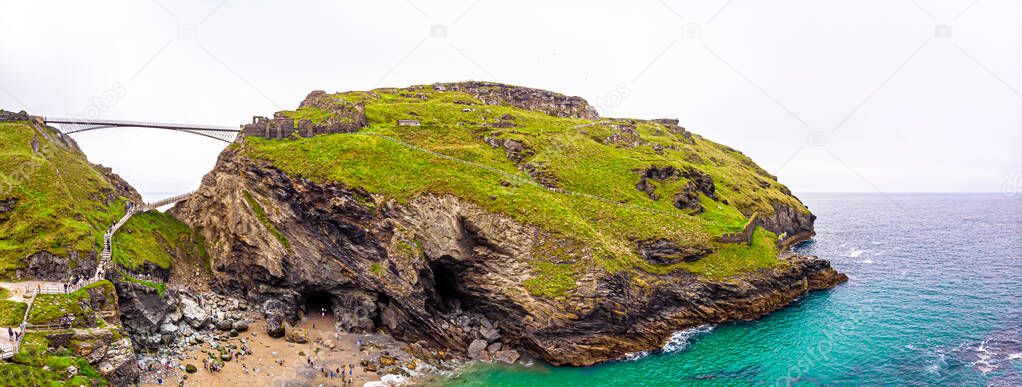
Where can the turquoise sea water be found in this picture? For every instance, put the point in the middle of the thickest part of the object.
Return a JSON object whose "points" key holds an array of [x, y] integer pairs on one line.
{"points": [[934, 298]]}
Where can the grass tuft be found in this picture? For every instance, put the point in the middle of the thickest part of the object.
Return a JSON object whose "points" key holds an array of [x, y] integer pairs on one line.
{"points": [[260, 214]]}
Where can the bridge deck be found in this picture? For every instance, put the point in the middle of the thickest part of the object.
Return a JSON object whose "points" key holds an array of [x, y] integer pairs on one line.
{"points": [[77, 125]]}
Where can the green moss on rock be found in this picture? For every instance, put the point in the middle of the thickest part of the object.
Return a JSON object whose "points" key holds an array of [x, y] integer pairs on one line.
{"points": [[260, 214]]}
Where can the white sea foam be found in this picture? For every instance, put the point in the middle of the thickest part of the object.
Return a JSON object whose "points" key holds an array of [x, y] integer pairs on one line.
{"points": [[389, 381], [681, 339], [677, 342], [866, 261], [633, 356], [855, 253]]}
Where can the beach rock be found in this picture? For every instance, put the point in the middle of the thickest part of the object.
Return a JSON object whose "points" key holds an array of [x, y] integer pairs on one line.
{"points": [[489, 333], [224, 325], [477, 350], [143, 313], [508, 356], [387, 360], [493, 347], [240, 326], [118, 363], [296, 335], [168, 328], [275, 326], [193, 314]]}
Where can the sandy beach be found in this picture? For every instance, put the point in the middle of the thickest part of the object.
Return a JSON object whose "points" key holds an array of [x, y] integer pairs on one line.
{"points": [[276, 362]]}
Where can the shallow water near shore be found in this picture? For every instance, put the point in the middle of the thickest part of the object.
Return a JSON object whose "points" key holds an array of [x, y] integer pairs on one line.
{"points": [[933, 298]]}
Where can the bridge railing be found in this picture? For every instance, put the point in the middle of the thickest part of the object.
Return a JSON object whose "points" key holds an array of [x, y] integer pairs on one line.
{"points": [[137, 124], [75, 125]]}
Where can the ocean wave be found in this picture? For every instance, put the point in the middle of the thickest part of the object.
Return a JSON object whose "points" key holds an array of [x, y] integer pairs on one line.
{"points": [[633, 356], [855, 253], [994, 353], [681, 339], [677, 342], [390, 380]]}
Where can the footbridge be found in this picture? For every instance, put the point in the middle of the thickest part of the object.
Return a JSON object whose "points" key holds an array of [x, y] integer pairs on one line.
{"points": [[78, 125]]}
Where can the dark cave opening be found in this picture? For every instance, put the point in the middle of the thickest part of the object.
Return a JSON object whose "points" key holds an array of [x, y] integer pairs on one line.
{"points": [[318, 304], [445, 282]]}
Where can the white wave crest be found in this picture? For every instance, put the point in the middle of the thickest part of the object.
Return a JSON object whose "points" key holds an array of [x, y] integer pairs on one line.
{"points": [[633, 356], [389, 381], [681, 339]]}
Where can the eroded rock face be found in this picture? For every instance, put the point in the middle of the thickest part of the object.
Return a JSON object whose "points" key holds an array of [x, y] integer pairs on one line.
{"points": [[688, 197], [143, 312], [548, 102], [444, 271], [797, 225], [6, 116], [112, 356]]}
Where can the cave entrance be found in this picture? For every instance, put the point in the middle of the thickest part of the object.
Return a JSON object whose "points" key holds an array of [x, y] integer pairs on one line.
{"points": [[318, 304], [445, 282]]}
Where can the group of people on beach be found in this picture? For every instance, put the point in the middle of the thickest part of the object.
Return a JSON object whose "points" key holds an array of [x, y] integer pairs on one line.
{"points": [[344, 372], [212, 366]]}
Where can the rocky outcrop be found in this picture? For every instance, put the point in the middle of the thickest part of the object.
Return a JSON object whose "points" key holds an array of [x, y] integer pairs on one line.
{"points": [[6, 116], [672, 126], [106, 351], [548, 102], [121, 187], [338, 116], [441, 270], [697, 182], [47, 266], [175, 318], [663, 252], [793, 224]]}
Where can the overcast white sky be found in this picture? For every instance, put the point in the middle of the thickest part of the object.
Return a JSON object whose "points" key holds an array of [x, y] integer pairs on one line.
{"points": [[849, 96]]}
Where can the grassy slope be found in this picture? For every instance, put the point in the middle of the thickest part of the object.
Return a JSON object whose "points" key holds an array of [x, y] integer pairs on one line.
{"points": [[58, 195], [571, 150], [59, 204], [157, 238], [28, 365], [50, 308], [11, 313]]}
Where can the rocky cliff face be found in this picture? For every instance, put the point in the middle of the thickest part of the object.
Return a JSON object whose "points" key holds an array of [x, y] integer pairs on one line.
{"points": [[442, 270], [527, 98]]}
